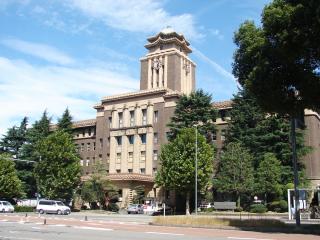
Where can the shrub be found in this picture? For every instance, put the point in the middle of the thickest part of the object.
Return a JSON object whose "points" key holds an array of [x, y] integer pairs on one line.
{"points": [[238, 209], [258, 208], [278, 206], [23, 209], [113, 207]]}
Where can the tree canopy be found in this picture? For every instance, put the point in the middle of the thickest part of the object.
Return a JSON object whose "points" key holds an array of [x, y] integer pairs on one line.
{"points": [[194, 109], [235, 172], [65, 122], [177, 158], [58, 171], [279, 62], [10, 184]]}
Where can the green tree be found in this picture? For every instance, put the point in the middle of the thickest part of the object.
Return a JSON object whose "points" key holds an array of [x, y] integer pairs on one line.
{"points": [[194, 109], [282, 57], [10, 184], [15, 138], [140, 194], [235, 171], [177, 158], [99, 189], [58, 171], [65, 122], [268, 177]]}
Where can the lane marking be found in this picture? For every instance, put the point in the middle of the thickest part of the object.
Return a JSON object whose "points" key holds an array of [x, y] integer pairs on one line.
{"points": [[164, 233], [38, 228], [19, 238], [245, 238], [93, 228]]}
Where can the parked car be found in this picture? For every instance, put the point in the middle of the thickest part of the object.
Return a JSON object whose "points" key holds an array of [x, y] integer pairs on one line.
{"points": [[160, 212], [52, 206], [5, 206], [135, 208]]}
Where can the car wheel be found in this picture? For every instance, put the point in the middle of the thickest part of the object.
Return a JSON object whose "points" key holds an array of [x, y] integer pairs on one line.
{"points": [[3, 210], [59, 212], [128, 212], [41, 211]]}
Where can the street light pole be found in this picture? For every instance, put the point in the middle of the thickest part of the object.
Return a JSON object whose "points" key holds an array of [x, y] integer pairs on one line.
{"points": [[196, 175]]}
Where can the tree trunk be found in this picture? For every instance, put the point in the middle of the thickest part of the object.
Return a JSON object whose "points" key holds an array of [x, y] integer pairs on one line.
{"points": [[238, 200], [187, 203]]}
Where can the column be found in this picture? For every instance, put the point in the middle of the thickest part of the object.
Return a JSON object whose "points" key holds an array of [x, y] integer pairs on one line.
{"points": [[136, 154], [115, 119], [154, 75], [138, 116], [149, 151], [124, 154], [149, 73], [190, 78], [165, 71], [183, 74], [150, 114], [160, 72], [126, 117], [112, 164]]}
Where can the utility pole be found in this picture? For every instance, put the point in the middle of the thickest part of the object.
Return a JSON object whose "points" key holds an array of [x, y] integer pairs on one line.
{"points": [[196, 174]]}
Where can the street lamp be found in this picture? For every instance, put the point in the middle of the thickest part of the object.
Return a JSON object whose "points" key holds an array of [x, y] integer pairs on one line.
{"points": [[196, 173]]}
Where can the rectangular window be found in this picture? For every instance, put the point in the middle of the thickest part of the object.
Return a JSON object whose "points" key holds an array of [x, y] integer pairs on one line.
{"points": [[130, 157], [142, 170], [144, 116], [143, 156], [155, 116], [155, 138], [154, 171], [131, 118], [119, 140], [82, 147], [89, 132], [129, 170], [108, 158], [155, 155], [143, 138], [110, 122], [101, 142], [87, 162], [131, 139], [94, 146], [223, 134], [120, 115], [83, 133], [118, 170], [118, 160], [81, 162], [88, 147]]}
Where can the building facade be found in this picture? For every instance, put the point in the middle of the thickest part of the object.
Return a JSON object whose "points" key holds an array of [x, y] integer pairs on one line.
{"points": [[129, 129]]}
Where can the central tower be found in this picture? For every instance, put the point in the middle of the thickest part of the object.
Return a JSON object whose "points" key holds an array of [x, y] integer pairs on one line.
{"points": [[167, 64]]}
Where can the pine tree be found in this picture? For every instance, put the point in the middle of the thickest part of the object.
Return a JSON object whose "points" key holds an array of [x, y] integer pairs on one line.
{"points": [[65, 122], [235, 171], [194, 109]]}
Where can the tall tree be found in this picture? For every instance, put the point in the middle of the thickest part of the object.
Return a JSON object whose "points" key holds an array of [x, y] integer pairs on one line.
{"points": [[65, 122], [58, 171], [193, 109], [235, 171], [10, 185], [268, 177], [15, 138], [178, 157]]}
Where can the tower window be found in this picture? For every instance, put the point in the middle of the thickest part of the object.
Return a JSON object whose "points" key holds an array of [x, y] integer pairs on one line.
{"points": [[131, 139], [144, 116], [119, 140], [120, 119], [143, 138], [131, 118]]}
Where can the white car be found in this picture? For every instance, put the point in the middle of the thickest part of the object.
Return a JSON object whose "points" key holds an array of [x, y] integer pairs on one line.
{"points": [[5, 206], [52, 206]]}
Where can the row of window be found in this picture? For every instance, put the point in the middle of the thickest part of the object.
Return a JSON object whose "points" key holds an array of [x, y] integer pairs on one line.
{"points": [[143, 139], [132, 118], [86, 132], [142, 156]]}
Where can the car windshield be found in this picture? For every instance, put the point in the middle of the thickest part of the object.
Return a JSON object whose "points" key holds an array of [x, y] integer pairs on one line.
{"points": [[60, 204], [6, 203]]}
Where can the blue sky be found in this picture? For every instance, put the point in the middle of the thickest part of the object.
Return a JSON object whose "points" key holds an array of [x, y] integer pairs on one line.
{"points": [[70, 53]]}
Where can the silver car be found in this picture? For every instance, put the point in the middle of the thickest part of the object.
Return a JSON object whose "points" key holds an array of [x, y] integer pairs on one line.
{"points": [[135, 208], [5, 206]]}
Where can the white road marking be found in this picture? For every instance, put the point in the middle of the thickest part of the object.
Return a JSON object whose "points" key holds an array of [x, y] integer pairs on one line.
{"points": [[164, 233], [58, 225], [93, 228], [37, 228], [244, 238], [19, 238]]}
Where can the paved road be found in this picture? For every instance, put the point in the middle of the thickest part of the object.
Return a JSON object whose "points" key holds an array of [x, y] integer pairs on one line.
{"points": [[19, 227]]}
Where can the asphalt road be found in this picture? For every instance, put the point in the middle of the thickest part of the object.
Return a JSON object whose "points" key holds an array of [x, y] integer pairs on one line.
{"points": [[119, 227]]}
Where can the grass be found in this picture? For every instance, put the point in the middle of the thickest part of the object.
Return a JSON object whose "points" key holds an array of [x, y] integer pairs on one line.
{"points": [[209, 221]]}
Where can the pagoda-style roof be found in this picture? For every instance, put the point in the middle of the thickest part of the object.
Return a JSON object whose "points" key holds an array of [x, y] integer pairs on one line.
{"points": [[166, 36]]}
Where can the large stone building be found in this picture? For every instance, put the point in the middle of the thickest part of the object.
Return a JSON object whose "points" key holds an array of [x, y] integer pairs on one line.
{"points": [[129, 128]]}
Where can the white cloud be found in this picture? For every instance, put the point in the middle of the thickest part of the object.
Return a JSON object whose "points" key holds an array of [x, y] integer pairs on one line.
{"points": [[216, 33], [219, 69], [136, 15], [39, 50], [29, 90]]}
